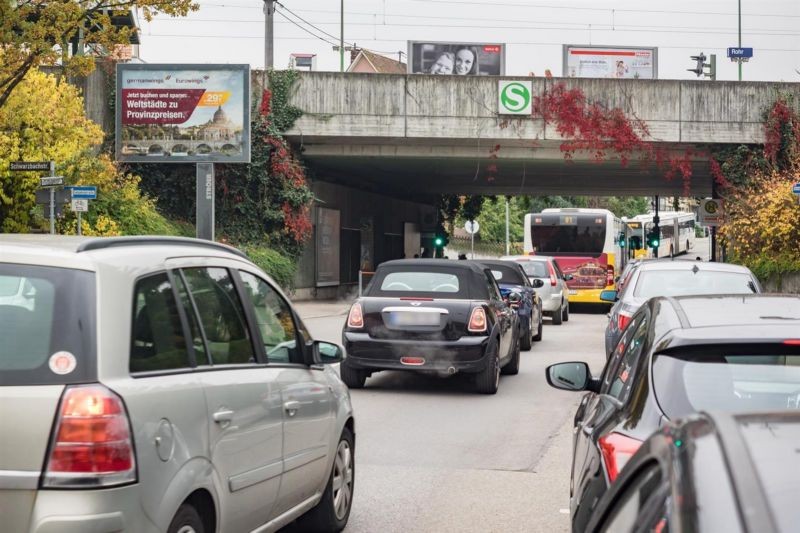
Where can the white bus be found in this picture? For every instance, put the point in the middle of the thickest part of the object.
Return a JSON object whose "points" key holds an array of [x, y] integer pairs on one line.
{"points": [[677, 233]]}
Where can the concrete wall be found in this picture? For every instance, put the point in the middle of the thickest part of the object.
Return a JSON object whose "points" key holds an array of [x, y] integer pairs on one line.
{"points": [[418, 107], [388, 216], [789, 284]]}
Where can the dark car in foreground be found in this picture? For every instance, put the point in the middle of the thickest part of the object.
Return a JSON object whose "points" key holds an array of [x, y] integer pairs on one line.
{"points": [[710, 472], [431, 315], [519, 292], [668, 277], [678, 356]]}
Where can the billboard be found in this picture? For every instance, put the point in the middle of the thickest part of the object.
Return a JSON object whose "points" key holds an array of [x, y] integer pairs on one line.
{"points": [[448, 58], [624, 62], [183, 113]]}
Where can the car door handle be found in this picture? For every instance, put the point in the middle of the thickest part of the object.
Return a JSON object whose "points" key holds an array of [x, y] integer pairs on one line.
{"points": [[223, 416], [291, 407]]}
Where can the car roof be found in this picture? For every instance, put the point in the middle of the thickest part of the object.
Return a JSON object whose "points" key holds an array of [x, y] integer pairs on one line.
{"points": [[86, 253], [761, 446], [669, 264], [473, 266], [726, 319], [519, 258], [498, 262]]}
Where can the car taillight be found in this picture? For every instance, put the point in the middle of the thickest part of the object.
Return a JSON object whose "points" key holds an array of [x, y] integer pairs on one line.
{"points": [[92, 444], [609, 275], [792, 342], [477, 320], [553, 281], [617, 449], [623, 319], [356, 317]]}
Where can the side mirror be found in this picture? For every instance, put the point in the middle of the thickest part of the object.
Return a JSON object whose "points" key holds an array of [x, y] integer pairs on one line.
{"points": [[573, 376], [609, 296], [568, 277], [537, 283], [327, 353]]}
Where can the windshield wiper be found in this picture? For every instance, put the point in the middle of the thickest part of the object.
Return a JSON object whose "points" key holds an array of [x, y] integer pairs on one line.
{"points": [[779, 318]]}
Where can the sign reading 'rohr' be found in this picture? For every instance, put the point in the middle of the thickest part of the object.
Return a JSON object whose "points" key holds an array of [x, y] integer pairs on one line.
{"points": [[183, 113]]}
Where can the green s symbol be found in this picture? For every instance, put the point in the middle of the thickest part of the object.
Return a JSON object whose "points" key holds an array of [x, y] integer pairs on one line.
{"points": [[515, 97]]}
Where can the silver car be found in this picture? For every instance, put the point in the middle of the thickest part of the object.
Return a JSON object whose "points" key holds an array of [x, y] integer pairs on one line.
{"points": [[554, 293], [670, 277], [163, 384]]}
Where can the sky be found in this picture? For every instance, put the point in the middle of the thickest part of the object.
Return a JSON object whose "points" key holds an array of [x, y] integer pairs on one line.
{"points": [[232, 31]]}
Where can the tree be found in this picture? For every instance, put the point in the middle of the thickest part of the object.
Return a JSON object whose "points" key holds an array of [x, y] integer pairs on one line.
{"points": [[41, 32], [45, 121]]}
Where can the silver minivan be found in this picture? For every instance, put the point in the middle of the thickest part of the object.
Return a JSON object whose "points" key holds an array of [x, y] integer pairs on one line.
{"points": [[153, 384]]}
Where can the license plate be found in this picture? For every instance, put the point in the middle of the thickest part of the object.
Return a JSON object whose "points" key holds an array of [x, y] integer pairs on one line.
{"points": [[415, 319], [573, 292]]}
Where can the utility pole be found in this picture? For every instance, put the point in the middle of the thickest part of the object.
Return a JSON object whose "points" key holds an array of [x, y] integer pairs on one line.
{"points": [[740, 37], [508, 245], [341, 37], [269, 37]]}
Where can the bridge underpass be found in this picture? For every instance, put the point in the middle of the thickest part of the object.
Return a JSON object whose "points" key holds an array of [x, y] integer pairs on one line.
{"points": [[370, 140]]}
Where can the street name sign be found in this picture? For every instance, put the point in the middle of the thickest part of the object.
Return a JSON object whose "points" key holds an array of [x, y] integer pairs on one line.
{"points": [[740, 52], [29, 165], [796, 188], [79, 205], [711, 212], [84, 192], [514, 97], [51, 181]]}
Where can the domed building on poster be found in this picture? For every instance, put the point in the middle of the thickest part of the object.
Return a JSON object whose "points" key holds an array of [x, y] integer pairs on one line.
{"points": [[220, 128]]}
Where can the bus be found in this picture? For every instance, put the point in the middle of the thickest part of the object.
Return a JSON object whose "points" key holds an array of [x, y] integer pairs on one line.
{"points": [[584, 242], [677, 233]]}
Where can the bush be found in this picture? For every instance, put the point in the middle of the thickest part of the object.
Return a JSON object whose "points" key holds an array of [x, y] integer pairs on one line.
{"points": [[279, 267]]}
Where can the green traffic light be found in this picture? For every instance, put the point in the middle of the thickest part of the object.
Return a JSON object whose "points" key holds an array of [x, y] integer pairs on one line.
{"points": [[438, 241]]}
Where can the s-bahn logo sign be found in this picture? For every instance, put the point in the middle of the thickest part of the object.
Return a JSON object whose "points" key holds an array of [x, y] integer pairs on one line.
{"points": [[711, 212], [514, 97]]}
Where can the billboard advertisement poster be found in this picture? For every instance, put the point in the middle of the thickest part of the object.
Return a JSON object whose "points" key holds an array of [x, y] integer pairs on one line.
{"points": [[183, 113], [456, 59], [610, 62], [327, 241]]}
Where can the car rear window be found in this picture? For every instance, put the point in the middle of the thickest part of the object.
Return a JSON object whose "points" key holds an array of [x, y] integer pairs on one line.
{"points": [[738, 378], [506, 274], [47, 325], [420, 282], [689, 282], [535, 269]]}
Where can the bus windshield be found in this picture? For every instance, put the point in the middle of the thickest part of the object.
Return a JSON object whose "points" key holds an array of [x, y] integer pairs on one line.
{"points": [[568, 233]]}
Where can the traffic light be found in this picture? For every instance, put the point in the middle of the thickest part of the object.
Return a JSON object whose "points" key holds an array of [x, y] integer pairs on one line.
{"points": [[700, 68], [438, 241], [654, 239], [623, 242]]}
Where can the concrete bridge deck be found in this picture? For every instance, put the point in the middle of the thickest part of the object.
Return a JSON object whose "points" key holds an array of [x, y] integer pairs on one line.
{"points": [[433, 134]]}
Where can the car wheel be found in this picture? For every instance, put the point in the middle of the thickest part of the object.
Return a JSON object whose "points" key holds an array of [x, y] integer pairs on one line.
{"points": [[488, 380], [538, 335], [333, 510], [512, 367], [566, 313], [186, 520], [525, 339], [354, 378], [558, 316]]}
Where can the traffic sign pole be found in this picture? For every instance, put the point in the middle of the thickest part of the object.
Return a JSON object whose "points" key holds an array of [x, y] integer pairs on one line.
{"points": [[52, 201]]}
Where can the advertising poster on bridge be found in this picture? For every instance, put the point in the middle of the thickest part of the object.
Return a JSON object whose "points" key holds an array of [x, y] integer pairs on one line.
{"points": [[623, 62], [183, 113], [456, 59]]}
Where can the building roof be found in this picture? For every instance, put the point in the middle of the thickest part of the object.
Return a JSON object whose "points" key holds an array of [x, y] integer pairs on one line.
{"points": [[378, 63]]}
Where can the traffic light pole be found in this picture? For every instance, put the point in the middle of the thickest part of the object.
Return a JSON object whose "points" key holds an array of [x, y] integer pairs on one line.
{"points": [[656, 230]]}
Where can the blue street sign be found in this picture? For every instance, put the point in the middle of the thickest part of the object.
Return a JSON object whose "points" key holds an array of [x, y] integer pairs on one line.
{"points": [[740, 52], [84, 192], [796, 188]]}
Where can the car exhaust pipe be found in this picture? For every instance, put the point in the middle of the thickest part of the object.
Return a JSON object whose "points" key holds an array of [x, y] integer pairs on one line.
{"points": [[451, 370]]}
